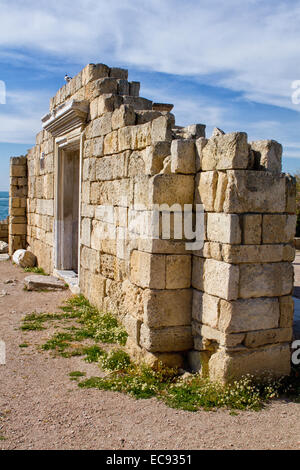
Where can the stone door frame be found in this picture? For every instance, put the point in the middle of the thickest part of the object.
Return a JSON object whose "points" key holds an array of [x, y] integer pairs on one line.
{"points": [[62, 144]]}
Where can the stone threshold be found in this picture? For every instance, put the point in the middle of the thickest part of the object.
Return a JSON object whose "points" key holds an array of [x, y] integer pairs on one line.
{"points": [[70, 277]]}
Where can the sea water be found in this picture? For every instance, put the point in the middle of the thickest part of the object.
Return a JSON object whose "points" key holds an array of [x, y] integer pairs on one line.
{"points": [[3, 204]]}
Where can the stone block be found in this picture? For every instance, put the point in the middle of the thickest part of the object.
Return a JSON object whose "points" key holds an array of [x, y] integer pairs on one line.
{"points": [[274, 360], [142, 192], [162, 128], [254, 191], [137, 103], [92, 72], [37, 282], [173, 338], [86, 195], [198, 273], [102, 125], [123, 116], [134, 88], [16, 161], [194, 131], [136, 163], [278, 228], [94, 109], [148, 270], [289, 253], [154, 157], [89, 169], [98, 147], [106, 85], [178, 271], [117, 72], [290, 183], [108, 102], [133, 327], [107, 265], [90, 259], [173, 189], [286, 304], [24, 258], [220, 191], [265, 280], [164, 308], [123, 87], [17, 229], [111, 143], [237, 254], [96, 289], [210, 336], [200, 144], [18, 170], [223, 228], [146, 116], [248, 315], [206, 308], [268, 154], [228, 151], [260, 338], [183, 156], [252, 226], [134, 137], [86, 232], [221, 279], [206, 189]]}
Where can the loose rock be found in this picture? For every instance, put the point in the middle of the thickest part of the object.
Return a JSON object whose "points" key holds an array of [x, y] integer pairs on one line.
{"points": [[24, 258], [37, 282]]}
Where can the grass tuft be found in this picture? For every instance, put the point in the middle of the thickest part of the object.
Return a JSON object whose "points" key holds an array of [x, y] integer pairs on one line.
{"points": [[189, 393], [77, 373], [36, 270], [115, 360]]}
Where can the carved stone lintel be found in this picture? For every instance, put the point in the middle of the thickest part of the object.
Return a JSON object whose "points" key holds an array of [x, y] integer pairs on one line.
{"points": [[65, 118]]}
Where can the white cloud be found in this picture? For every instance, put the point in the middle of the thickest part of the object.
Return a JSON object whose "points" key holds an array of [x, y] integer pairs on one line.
{"points": [[20, 117], [250, 46]]}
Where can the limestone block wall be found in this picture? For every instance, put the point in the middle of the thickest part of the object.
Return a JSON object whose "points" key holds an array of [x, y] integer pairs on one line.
{"points": [[4, 230], [229, 303], [40, 202], [243, 280], [17, 204], [145, 281]]}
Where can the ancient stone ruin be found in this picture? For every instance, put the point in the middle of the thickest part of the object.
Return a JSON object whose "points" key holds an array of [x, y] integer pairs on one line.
{"points": [[107, 158]]}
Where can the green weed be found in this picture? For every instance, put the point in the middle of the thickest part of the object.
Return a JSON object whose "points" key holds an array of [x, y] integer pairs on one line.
{"points": [[36, 270], [77, 373], [115, 360], [93, 353]]}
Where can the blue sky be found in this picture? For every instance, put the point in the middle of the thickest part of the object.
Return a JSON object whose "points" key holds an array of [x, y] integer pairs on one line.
{"points": [[226, 64]]}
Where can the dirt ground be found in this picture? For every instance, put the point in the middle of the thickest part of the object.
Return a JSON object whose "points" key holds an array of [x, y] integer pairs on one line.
{"points": [[41, 408]]}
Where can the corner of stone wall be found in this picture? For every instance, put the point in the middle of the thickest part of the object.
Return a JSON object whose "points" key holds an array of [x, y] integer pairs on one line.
{"points": [[243, 279], [17, 204]]}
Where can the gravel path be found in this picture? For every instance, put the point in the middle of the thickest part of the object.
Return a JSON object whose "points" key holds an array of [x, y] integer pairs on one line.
{"points": [[40, 408]]}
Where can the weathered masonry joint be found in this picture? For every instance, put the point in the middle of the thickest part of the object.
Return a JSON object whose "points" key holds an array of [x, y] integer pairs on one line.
{"points": [[104, 159]]}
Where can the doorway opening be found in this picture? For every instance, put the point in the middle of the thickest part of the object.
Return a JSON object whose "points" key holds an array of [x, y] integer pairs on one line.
{"points": [[67, 217]]}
